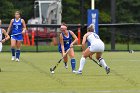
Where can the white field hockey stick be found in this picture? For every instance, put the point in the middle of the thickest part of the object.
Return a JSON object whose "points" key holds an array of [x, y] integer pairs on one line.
{"points": [[16, 34], [52, 69]]}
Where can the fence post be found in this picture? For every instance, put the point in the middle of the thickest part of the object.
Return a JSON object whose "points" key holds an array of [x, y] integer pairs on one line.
{"points": [[113, 20], [128, 40], [79, 35]]}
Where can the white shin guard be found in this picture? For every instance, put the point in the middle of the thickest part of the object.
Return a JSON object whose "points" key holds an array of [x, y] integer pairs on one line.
{"points": [[102, 62], [82, 63]]}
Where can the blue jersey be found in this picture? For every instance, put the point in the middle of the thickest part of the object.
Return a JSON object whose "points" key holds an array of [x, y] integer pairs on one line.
{"points": [[67, 41], [17, 26]]}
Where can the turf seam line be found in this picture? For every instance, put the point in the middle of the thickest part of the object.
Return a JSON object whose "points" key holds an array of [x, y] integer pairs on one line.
{"points": [[61, 82], [130, 81]]}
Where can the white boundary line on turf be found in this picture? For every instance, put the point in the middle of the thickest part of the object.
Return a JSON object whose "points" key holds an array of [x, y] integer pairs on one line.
{"points": [[124, 60], [116, 91], [94, 91]]}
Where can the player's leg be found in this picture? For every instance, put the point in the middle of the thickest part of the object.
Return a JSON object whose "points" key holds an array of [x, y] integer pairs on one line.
{"points": [[90, 56], [66, 62], [13, 46], [102, 62], [86, 54], [73, 61], [18, 44], [65, 58]]}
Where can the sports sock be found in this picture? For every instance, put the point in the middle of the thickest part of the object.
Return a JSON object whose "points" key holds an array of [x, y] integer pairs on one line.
{"points": [[17, 54], [65, 63], [102, 62], [82, 63], [13, 51], [73, 63]]}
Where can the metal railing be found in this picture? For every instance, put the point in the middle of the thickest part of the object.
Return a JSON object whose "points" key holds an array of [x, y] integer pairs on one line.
{"points": [[122, 30]]}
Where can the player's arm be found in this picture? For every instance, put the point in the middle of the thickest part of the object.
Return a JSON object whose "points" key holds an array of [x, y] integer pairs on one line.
{"points": [[10, 25], [75, 39], [84, 42], [62, 44], [6, 36], [24, 26]]}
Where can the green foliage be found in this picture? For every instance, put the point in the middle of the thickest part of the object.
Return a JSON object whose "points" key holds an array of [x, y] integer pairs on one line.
{"points": [[25, 6], [104, 10], [8, 7], [6, 10], [126, 10], [71, 11]]}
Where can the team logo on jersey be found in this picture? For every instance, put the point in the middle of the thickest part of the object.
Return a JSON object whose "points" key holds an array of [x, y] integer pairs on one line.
{"points": [[66, 41]]}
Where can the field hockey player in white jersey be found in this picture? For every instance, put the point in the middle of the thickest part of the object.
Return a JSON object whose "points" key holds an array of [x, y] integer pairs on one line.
{"points": [[96, 47]]}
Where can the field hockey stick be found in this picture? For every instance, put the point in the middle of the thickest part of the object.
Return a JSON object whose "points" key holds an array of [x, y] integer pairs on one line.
{"points": [[52, 69], [16, 34], [96, 62]]}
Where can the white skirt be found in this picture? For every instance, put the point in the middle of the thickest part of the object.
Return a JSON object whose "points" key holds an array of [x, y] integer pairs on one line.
{"points": [[97, 47]]}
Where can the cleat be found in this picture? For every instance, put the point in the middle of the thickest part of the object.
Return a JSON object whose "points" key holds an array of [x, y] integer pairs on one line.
{"points": [[78, 72], [73, 71], [107, 70], [13, 58], [17, 60], [52, 72], [66, 65]]}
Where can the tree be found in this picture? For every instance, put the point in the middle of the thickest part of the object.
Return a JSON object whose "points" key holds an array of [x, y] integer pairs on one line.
{"points": [[25, 6], [6, 10], [8, 7], [128, 11], [71, 11]]}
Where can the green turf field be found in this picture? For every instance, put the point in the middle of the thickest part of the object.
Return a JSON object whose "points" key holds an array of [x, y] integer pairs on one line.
{"points": [[32, 74]]}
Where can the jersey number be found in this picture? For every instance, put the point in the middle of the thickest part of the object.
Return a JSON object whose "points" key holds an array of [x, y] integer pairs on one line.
{"points": [[96, 36], [16, 27]]}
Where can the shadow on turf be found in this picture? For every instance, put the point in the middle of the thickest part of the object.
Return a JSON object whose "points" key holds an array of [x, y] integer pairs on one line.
{"points": [[61, 82], [130, 81]]}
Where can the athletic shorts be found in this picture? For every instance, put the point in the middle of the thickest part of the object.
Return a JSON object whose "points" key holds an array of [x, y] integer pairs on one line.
{"points": [[98, 47], [60, 50], [17, 37]]}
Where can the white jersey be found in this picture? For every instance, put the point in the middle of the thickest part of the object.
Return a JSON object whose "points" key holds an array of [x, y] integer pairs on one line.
{"points": [[93, 38], [96, 44], [0, 34]]}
